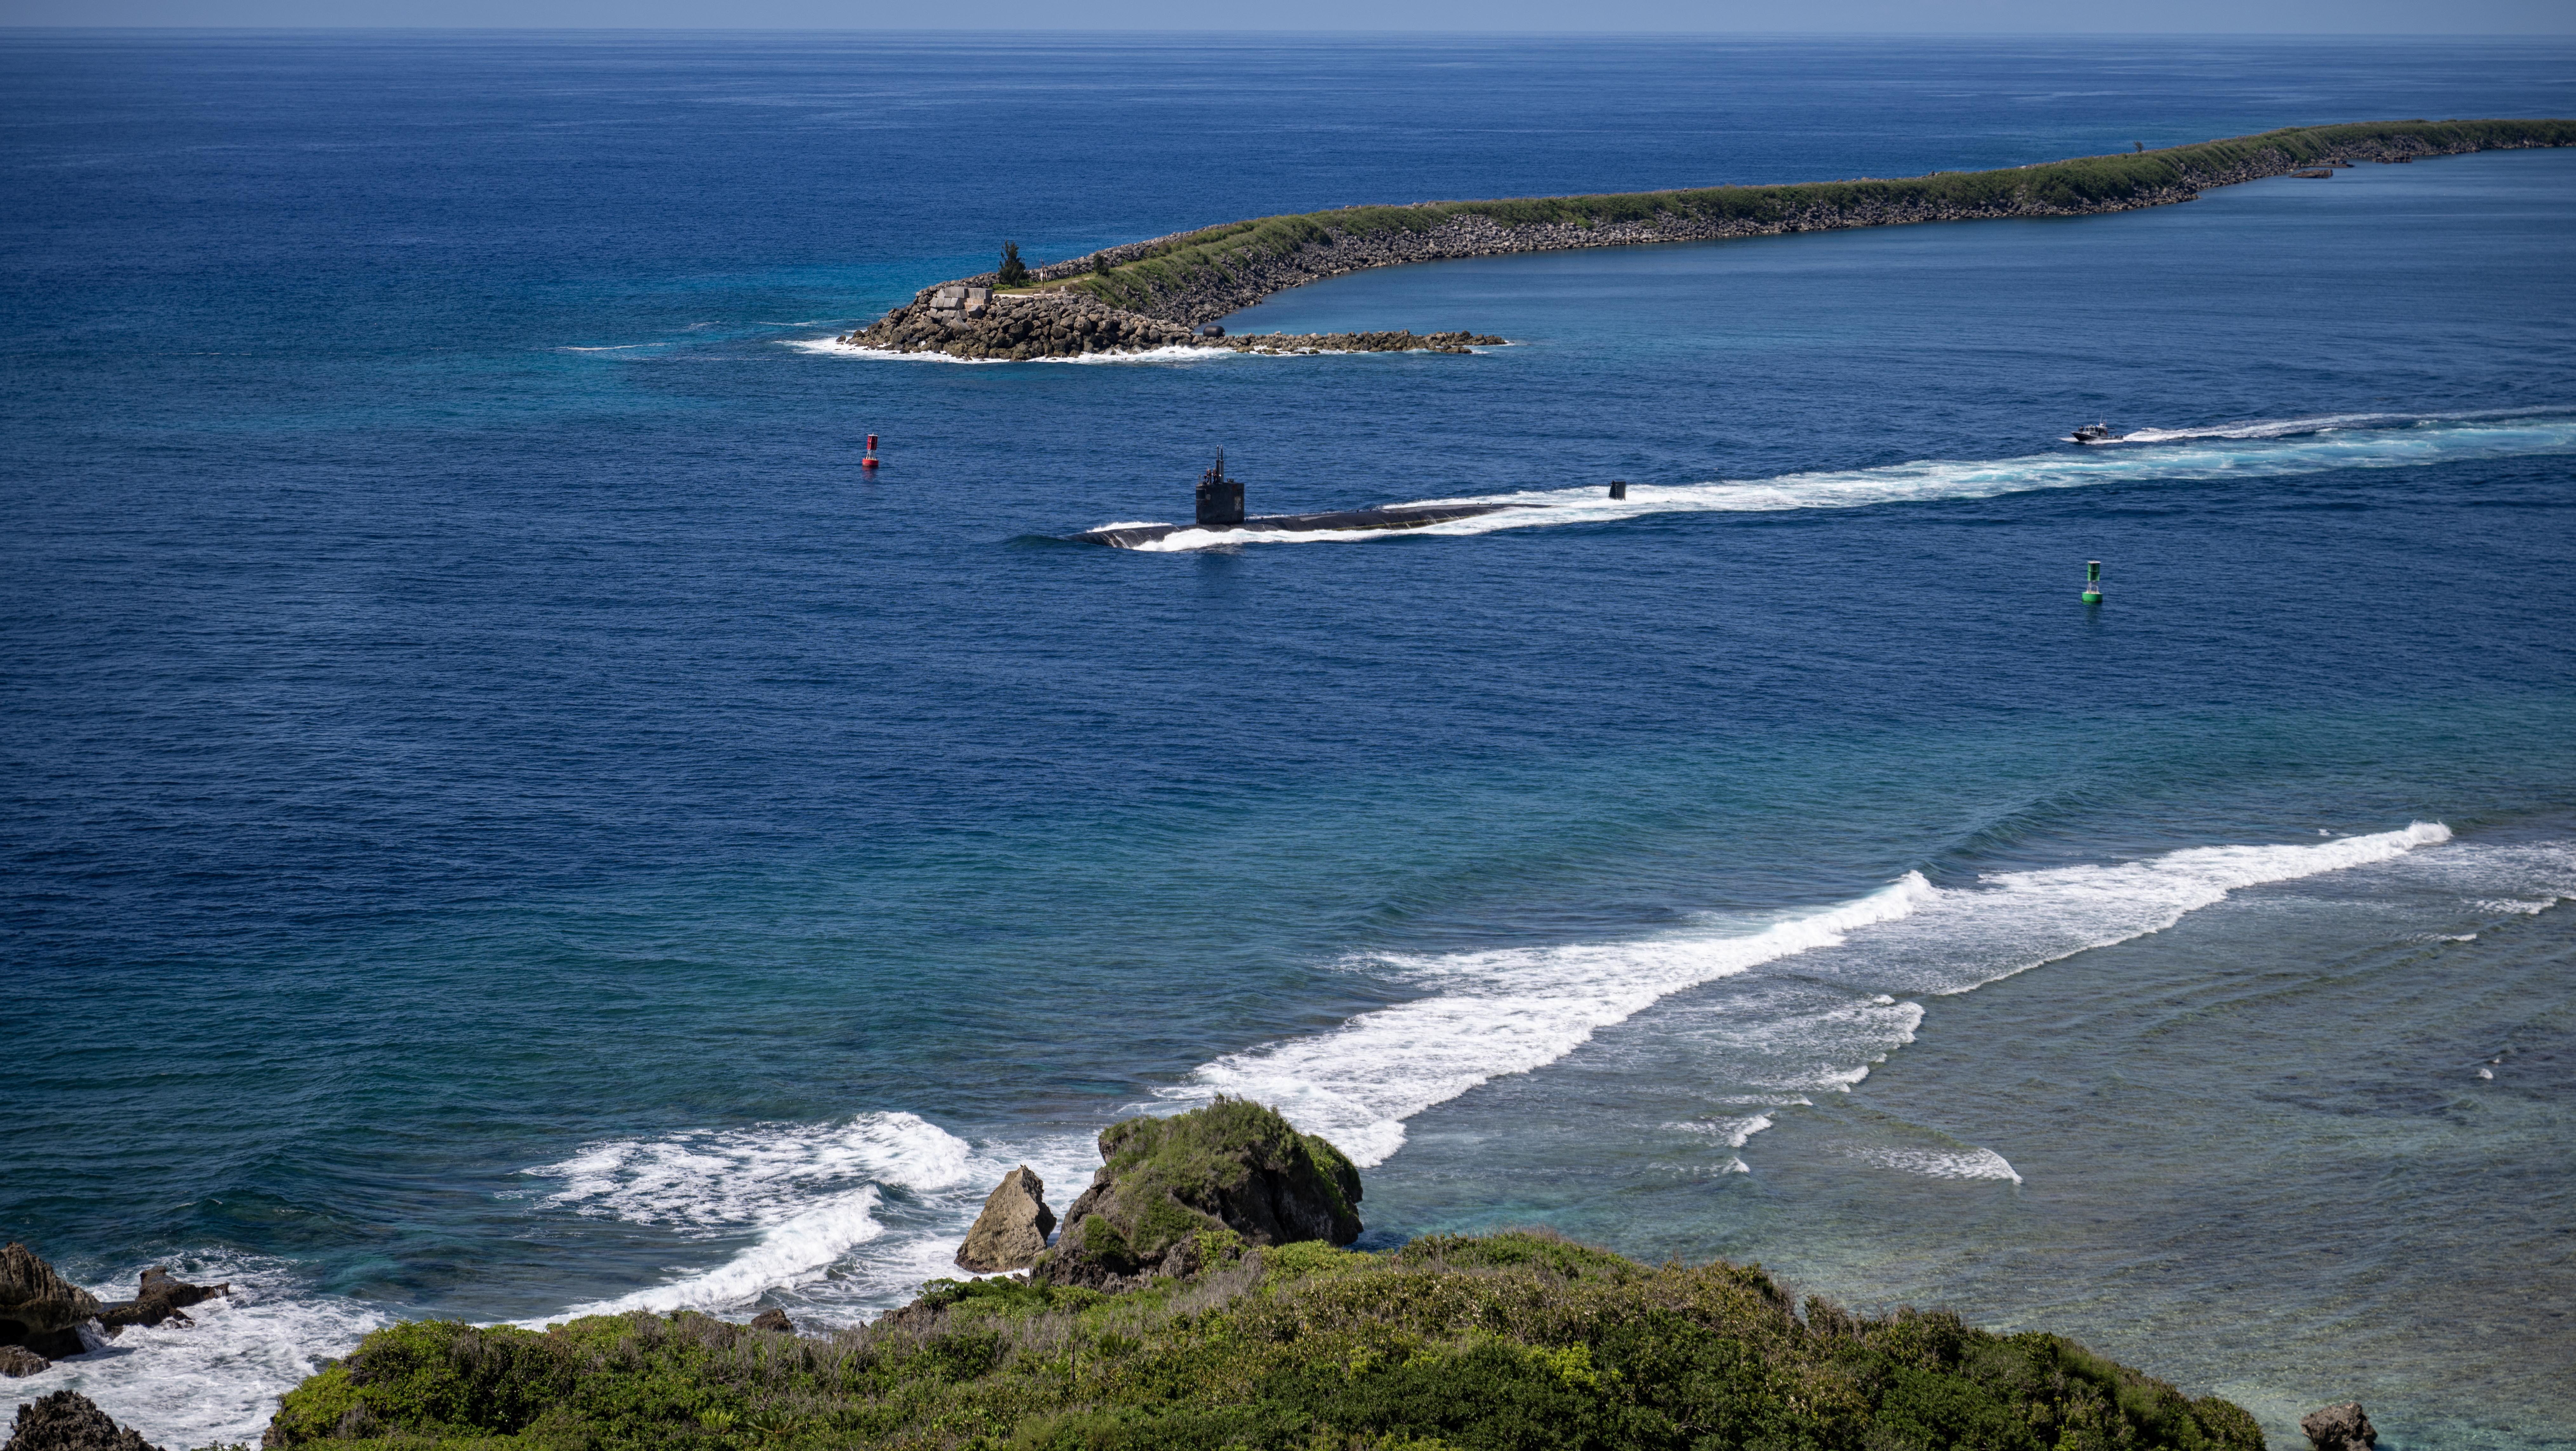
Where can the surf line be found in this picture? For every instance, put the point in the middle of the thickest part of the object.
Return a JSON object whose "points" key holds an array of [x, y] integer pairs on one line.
{"points": [[1515, 1010], [1164, 292]]}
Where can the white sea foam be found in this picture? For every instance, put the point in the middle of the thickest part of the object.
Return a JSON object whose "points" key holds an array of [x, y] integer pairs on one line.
{"points": [[2243, 454], [810, 1192], [1964, 938], [1502, 1012], [1938, 1164], [1176, 353], [2324, 423], [217, 1380], [1734, 1131], [724, 1179]]}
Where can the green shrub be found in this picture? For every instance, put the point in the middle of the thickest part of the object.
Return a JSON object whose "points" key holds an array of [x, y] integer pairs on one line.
{"points": [[1489, 1343]]}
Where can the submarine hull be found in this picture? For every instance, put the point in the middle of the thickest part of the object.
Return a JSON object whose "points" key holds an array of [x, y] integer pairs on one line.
{"points": [[1353, 521]]}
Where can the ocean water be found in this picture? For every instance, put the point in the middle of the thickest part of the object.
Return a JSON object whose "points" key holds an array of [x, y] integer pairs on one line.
{"points": [[502, 817]]}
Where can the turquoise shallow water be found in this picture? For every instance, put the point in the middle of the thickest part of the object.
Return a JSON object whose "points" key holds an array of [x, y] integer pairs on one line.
{"points": [[503, 818]]}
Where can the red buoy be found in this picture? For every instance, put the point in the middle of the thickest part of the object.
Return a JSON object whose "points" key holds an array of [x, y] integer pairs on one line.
{"points": [[869, 462], [872, 443]]}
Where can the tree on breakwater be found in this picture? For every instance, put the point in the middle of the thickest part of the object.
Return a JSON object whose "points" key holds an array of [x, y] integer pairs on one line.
{"points": [[1014, 272], [1506, 1342]]}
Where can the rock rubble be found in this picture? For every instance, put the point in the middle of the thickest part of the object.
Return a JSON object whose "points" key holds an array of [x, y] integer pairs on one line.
{"points": [[1015, 327]]}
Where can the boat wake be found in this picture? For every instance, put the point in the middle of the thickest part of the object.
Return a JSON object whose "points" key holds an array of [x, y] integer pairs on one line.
{"points": [[2283, 449]]}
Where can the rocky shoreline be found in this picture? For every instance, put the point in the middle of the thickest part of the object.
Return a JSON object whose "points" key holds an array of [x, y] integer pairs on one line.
{"points": [[985, 325], [1200, 1296], [1158, 292]]}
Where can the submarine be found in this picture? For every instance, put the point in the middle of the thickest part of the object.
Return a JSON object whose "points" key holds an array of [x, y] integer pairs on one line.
{"points": [[1220, 510]]}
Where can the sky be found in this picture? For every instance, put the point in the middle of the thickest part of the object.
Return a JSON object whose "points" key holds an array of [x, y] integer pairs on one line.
{"points": [[1932, 17]]}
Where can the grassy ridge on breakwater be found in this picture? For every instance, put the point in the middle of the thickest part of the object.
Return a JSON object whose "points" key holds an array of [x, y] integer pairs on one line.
{"points": [[1201, 275]]}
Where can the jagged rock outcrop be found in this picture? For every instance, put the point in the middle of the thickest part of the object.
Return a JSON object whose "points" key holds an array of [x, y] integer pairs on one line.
{"points": [[2340, 1428], [775, 1319], [18, 1360], [67, 1421], [1169, 1186], [1012, 1231], [39, 1309], [158, 1298], [1017, 326]]}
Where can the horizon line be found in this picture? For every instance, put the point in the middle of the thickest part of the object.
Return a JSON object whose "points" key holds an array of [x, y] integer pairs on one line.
{"points": [[988, 33]]}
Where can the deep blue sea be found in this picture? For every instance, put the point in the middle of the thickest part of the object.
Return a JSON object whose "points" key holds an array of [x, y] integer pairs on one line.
{"points": [[502, 816]]}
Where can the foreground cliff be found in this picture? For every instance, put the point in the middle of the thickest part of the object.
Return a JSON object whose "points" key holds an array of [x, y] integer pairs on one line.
{"points": [[1151, 293], [1506, 1341]]}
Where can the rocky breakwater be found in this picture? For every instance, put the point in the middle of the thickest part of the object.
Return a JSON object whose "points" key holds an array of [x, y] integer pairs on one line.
{"points": [[1172, 1192], [965, 321], [973, 320], [1203, 275], [1406, 341]]}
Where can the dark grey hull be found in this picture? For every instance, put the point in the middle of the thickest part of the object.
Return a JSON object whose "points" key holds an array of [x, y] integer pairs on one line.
{"points": [[1356, 521]]}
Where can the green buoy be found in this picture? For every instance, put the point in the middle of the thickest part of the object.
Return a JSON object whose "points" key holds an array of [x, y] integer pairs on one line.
{"points": [[2092, 581]]}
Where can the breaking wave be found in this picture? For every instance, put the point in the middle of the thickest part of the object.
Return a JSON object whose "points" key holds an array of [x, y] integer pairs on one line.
{"points": [[1502, 1012], [808, 1193], [217, 1380]]}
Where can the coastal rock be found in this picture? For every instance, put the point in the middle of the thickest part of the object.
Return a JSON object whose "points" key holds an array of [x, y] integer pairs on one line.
{"points": [[39, 1309], [1012, 1231], [159, 1298], [1070, 324], [18, 1360], [67, 1421], [773, 1318], [2339, 1428], [1233, 1169]]}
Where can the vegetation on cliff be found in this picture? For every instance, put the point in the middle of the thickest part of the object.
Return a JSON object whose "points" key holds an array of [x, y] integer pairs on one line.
{"points": [[1498, 1343], [1164, 1184], [1147, 277]]}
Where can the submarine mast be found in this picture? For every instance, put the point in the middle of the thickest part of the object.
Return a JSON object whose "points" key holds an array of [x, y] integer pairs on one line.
{"points": [[1220, 498]]}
